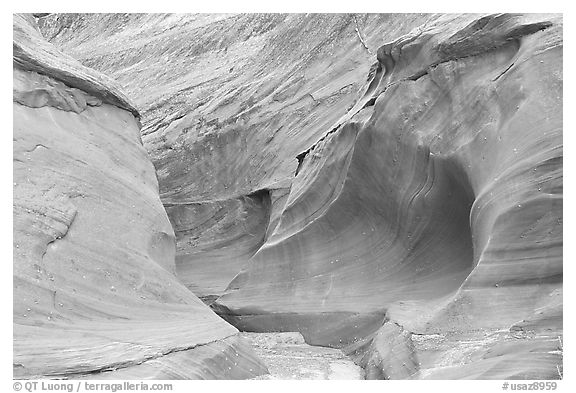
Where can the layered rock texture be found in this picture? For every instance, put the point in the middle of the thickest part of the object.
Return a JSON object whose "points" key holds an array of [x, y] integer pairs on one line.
{"points": [[94, 288], [386, 184]]}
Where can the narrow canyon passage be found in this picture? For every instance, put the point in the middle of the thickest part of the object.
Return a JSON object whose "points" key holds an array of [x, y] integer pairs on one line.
{"points": [[288, 196], [287, 356]]}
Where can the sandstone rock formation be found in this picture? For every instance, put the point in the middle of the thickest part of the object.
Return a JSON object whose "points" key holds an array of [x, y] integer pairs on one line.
{"points": [[387, 184], [94, 288]]}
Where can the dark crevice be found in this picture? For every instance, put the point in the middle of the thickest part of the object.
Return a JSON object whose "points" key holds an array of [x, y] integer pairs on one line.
{"points": [[375, 74], [503, 72], [300, 157], [261, 196], [258, 194], [417, 75], [370, 102]]}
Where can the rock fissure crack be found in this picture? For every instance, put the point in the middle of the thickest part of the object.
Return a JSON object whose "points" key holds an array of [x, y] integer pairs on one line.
{"points": [[357, 29], [133, 363]]}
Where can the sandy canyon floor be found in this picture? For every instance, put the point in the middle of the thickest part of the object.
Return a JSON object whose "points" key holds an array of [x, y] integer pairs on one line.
{"points": [[287, 356]]}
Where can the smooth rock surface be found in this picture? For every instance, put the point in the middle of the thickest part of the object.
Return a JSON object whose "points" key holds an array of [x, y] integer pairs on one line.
{"points": [[409, 169], [228, 102], [94, 252]]}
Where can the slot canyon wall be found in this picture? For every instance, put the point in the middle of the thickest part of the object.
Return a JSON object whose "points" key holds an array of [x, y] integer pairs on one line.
{"points": [[386, 184], [95, 294]]}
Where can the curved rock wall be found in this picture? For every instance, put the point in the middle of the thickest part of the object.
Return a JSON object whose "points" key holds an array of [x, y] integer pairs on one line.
{"points": [[228, 102], [413, 165], [94, 288], [450, 213]]}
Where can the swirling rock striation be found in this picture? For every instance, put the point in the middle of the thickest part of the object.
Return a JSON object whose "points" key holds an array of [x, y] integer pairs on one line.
{"points": [[451, 202], [227, 102], [391, 185], [94, 288]]}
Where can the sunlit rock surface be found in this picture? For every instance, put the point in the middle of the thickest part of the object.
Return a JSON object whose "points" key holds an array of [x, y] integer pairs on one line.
{"points": [[94, 288], [388, 184]]}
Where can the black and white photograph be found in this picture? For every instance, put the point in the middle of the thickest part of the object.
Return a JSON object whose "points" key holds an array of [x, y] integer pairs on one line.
{"points": [[286, 196]]}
